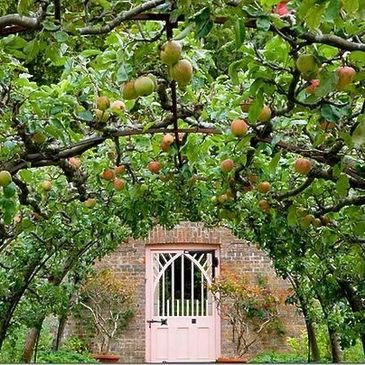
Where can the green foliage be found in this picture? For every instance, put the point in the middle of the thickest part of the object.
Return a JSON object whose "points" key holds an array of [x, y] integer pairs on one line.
{"points": [[64, 357], [274, 357]]}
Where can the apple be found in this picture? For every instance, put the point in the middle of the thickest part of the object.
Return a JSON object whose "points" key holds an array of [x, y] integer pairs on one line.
{"points": [[168, 139], [222, 198], [307, 220], [118, 170], [246, 104], [345, 77], [312, 87], [117, 106], [164, 146], [46, 185], [264, 205], [325, 125], [302, 166], [5, 178], [38, 138], [307, 66], [129, 91], [75, 162], [90, 203], [154, 79], [281, 9], [118, 184], [102, 102], [227, 165], [101, 115], [252, 178], [108, 174], [170, 52], [317, 222], [264, 187], [154, 167], [144, 86], [182, 72], [239, 128], [265, 114]]}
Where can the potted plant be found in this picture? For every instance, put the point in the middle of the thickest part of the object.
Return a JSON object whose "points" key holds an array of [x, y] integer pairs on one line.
{"points": [[250, 309], [109, 300]]}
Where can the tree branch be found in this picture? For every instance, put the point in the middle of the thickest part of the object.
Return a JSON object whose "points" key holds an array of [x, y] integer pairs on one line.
{"points": [[120, 18]]}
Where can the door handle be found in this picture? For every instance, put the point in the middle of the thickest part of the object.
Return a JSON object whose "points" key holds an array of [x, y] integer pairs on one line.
{"points": [[163, 322]]}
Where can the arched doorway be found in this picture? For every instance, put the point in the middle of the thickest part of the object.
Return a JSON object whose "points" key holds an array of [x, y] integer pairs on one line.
{"points": [[182, 323]]}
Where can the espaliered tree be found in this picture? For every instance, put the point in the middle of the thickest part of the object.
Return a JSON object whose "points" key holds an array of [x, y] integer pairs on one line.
{"points": [[131, 114]]}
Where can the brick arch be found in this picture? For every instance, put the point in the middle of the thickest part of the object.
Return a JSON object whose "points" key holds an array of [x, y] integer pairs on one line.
{"points": [[191, 233]]}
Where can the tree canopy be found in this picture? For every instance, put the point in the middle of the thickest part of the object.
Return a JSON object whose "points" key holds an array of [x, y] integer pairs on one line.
{"points": [[254, 120]]}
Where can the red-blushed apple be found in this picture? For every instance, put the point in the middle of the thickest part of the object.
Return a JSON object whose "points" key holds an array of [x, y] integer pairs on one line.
{"points": [[119, 170], [102, 102], [302, 166], [108, 174], [239, 128], [90, 203], [154, 167], [5, 178], [264, 205], [281, 9], [345, 77], [117, 106], [252, 178], [325, 125], [118, 184], [264, 187], [164, 146], [227, 165], [265, 114], [128, 91], [168, 139], [75, 162], [312, 87]]}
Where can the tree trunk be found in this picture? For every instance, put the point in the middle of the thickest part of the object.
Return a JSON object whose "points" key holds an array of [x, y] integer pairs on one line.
{"points": [[30, 342], [312, 341], [314, 354], [62, 320], [335, 346]]}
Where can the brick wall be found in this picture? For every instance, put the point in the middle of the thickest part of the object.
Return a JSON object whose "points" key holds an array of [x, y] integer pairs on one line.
{"points": [[236, 254]]}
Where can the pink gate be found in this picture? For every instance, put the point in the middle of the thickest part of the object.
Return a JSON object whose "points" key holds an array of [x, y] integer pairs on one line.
{"points": [[182, 323]]}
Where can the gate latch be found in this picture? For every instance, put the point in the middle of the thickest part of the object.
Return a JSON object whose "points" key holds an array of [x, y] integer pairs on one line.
{"points": [[163, 322]]}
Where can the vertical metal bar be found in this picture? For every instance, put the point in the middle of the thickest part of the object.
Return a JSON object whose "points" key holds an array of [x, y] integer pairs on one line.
{"points": [[202, 294], [192, 288], [187, 307], [177, 307], [173, 287], [168, 307], [182, 284], [197, 307], [163, 293]]}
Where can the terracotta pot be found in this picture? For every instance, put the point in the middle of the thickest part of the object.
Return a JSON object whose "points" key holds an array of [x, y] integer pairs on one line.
{"points": [[106, 358], [232, 360]]}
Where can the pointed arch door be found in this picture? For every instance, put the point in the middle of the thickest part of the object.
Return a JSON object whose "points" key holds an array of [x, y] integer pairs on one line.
{"points": [[182, 324]]}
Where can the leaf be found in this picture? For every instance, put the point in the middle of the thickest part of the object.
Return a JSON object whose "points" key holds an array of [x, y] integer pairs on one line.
{"points": [[350, 6], [24, 6], [233, 69], [239, 31], [256, 106], [204, 23], [292, 216], [263, 23], [330, 113], [274, 161], [342, 185], [314, 16], [358, 136]]}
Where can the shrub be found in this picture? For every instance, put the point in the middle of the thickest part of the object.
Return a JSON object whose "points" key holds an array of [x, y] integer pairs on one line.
{"points": [[63, 357]]}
